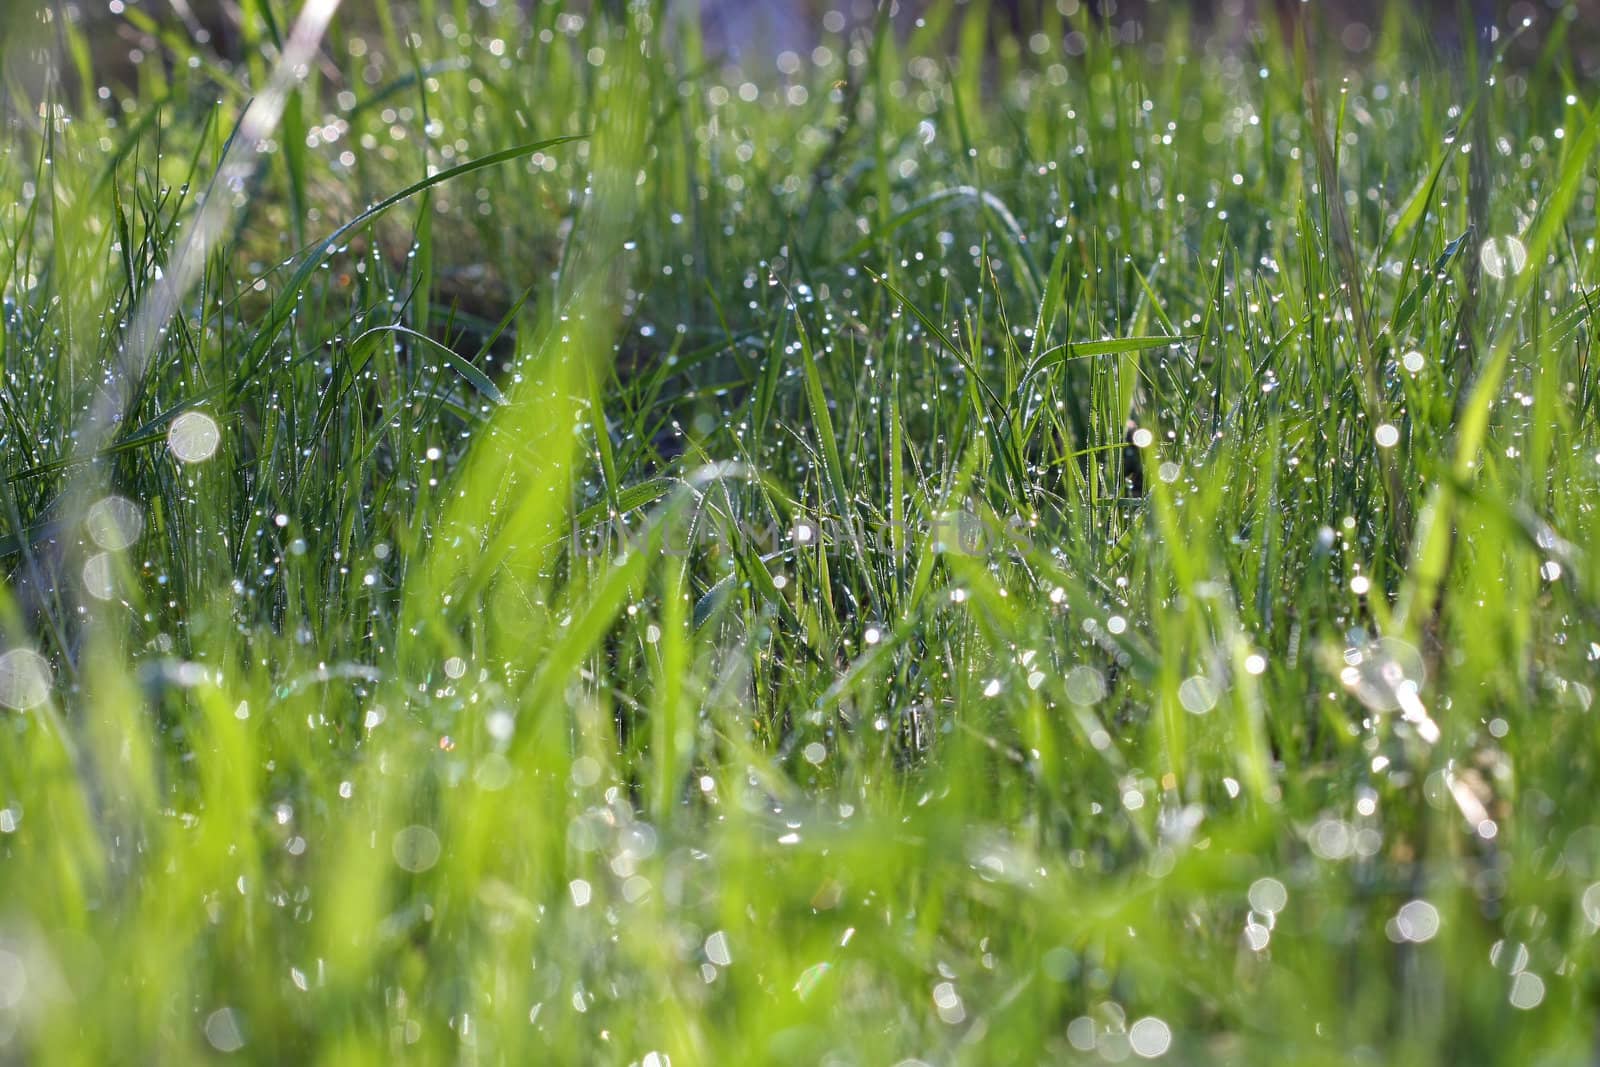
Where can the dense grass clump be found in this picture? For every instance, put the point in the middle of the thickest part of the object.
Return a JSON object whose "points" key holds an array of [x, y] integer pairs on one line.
{"points": [[528, 542]]}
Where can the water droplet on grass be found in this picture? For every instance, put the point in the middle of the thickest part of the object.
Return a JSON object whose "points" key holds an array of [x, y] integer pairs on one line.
{"points": [[1198, 694], [114, 523], [1527, 991], [1416, 921], [717, 951], [222, 1031], [193, 437], [416, 849], [25, 679], [1503, 257], [1268, 896], [585, 771], [1150, 1037], [1085, 686], [99, 579]]}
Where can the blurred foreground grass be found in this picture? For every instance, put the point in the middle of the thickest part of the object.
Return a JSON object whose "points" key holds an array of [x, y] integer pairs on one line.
{"points": [[673, 582]]}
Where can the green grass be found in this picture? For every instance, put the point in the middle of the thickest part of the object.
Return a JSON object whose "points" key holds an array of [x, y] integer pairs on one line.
{"points": [[669, 582]]}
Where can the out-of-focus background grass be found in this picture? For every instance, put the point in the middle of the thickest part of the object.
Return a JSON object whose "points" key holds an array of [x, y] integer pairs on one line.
{"points": [[955, 535]]}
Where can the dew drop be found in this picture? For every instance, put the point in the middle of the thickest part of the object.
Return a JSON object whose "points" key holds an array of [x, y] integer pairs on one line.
{"points": [[193, 437]]}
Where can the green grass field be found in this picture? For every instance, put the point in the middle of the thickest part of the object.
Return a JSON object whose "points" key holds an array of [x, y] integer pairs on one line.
{"points": [[526, 543]]}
